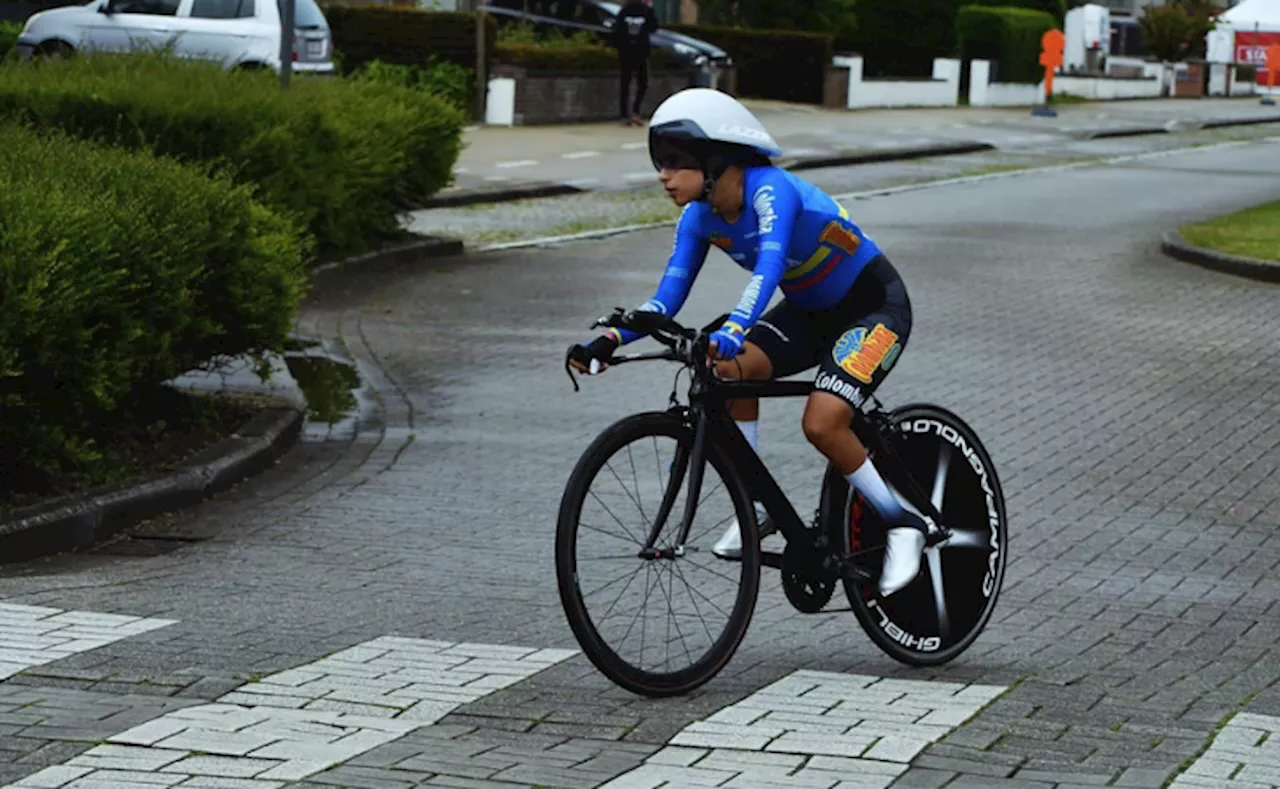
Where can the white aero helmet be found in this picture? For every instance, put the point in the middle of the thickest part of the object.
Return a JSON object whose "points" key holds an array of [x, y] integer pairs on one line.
{"points": [[706, 129]]}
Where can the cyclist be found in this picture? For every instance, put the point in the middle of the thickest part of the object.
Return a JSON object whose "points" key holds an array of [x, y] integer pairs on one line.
{"points": [[844, 309]]}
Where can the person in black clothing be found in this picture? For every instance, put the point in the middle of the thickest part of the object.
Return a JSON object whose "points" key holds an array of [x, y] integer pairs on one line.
{"points": [[631, 31]]}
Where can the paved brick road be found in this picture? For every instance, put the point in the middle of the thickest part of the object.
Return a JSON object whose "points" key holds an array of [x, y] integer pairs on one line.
{"points": [[1129, 401]]}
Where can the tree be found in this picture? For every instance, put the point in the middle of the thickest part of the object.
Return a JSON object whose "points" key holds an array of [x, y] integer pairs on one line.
{"points": [[1176, 31]]}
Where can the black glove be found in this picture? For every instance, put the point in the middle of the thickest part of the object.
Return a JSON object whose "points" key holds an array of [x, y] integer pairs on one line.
{"points": [[600, 348]]}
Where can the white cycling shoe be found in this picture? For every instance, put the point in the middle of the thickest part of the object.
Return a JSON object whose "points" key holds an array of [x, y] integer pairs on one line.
{"points": [[730, 544], [904, 548]]}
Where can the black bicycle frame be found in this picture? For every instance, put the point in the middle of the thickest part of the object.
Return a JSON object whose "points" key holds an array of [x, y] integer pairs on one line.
{"points": [[711, 421], [708, 404]]}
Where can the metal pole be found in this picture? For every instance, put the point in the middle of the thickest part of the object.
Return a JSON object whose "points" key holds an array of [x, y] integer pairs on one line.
{"points": [[286, 41], [482, 82]]}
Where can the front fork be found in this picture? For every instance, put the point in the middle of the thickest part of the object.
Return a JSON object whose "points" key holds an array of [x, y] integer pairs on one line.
{"points": [[679, 466]]}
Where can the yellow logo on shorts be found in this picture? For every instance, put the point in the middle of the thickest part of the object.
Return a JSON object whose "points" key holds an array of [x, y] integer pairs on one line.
{"points": [[859, 354]]}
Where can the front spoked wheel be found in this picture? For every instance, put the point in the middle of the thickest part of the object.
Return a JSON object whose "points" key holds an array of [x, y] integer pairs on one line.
{"points": [[940, 614], [655, 614]]}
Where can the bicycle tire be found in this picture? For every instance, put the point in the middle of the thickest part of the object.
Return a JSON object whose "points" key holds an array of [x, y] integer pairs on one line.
{"points": [[600, 653], [896, 624]]}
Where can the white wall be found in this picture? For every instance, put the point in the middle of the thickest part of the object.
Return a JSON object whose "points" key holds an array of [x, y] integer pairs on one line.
{"points": [[942, 91], [1107, 89], [985, 93]]}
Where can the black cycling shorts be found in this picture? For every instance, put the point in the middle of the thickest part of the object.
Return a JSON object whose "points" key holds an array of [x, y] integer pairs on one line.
{"points": [[854, 344]]}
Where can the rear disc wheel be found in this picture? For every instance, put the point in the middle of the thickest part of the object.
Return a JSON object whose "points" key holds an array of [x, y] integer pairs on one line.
{"points": [[939, 614]]}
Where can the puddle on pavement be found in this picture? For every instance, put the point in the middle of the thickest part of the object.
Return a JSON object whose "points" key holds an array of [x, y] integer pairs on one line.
{"points": [[328, 385]]}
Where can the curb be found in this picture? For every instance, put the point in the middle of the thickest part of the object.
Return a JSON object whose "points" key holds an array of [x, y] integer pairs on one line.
{"points": [[505, 194], [1138, 131], [406, 253], [81, 520], [1255, 119], [1123, 131], [1175, 246], [839, 158]]}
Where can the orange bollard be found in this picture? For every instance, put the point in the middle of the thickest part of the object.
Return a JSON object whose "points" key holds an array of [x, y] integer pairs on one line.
{"points": [[1052, 44], [1273, 65]]}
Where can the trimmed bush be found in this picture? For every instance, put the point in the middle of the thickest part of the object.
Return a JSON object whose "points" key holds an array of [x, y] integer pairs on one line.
{"points": [[298, 147], [1009, 37], [9, 32], [399, 144], [1055, 8], [543, 57], [788, 65], [901, 39], [120, 270], [405, 35], [442, 78]]}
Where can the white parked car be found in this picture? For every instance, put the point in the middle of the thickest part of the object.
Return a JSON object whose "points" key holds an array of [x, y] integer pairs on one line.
{"points": [[235, 33]]}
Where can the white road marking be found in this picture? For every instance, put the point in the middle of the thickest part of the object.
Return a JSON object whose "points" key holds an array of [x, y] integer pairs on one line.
{"points": [[632, 146], [647, 176], [35, 635], [519, 163], [299, 722], [497, 178], [813, 728], [1244, 755], [580, 154]]}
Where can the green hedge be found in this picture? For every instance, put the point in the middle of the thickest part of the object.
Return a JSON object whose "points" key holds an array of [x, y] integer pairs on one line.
{"points": [[444, 78], [404, 35], [1009, 37], [9, 32], [308, 150], [1055, 8], [901, 39], [773, 64], [120, 270], [549, 56]]}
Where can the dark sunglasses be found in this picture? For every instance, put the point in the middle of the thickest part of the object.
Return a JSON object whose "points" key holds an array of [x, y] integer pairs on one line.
{"points": [[666, 155]]}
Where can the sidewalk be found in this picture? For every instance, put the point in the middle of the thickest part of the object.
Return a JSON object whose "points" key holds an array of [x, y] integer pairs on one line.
{"points": [[505, 163]]}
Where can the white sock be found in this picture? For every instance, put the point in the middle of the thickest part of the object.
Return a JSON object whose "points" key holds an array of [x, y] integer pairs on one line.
{"points": [[867, 481], [752, 431]]}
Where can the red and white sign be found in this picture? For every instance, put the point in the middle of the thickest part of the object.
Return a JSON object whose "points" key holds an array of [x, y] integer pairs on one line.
{"points": [[1251, 48]]}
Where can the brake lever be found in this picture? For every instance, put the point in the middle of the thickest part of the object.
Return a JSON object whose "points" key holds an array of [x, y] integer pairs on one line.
{"points": [[569, 370]]}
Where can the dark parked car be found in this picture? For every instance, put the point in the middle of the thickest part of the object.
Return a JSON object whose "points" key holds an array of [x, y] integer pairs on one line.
{"points": [[597, 16]]}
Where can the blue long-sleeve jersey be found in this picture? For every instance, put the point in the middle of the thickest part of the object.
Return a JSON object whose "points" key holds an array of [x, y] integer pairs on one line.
{"points": [[790, 234]]}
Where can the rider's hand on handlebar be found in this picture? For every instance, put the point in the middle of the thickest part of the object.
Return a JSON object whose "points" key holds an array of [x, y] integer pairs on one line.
{"points": [[725, 344], [591, 358]]}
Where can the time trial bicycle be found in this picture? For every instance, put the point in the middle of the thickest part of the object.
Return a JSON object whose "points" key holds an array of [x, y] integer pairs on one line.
{"points": [[915, 447]]}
